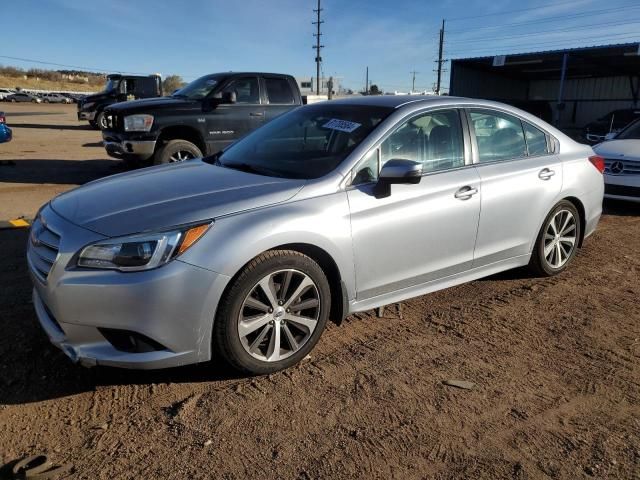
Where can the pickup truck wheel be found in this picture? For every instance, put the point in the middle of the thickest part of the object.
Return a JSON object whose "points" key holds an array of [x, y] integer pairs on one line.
{"points": [[101, 121], [93, 124], [177, 151]]}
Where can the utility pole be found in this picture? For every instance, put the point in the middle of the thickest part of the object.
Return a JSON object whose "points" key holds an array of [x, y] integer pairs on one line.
{"points": [[366, 82], [413, 82], [440, 60], [317, 46]]}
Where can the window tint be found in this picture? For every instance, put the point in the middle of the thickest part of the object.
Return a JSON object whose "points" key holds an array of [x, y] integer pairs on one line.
{"points": [[536, 140], [433, 139], [278, 90], [130, 85], [246, 90], [367, 170], [499, 136]]}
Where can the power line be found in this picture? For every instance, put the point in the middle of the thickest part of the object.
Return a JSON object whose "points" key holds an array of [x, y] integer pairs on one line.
{"points": [[88, 69], [546, 20], [528, 46], [517, 35], [547, 5]]}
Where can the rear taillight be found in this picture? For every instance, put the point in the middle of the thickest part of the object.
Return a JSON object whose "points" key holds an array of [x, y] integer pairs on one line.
{"points": [[2, 119], [597, 162]]}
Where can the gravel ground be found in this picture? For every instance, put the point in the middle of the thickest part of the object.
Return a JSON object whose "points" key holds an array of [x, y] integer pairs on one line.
{"points": [[554, 363]]}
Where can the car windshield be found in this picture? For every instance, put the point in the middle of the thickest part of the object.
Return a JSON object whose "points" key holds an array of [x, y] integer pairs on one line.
{"points": [[306, 143], [632, 132], [198, 89], [112, 84]]}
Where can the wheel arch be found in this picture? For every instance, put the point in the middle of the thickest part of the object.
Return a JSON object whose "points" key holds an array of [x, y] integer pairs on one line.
{"points": [[581, 211], [339, 296], [181, 132]]}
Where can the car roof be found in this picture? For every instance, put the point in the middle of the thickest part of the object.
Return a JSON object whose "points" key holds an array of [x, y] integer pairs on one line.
{"points": [[397, 101]]}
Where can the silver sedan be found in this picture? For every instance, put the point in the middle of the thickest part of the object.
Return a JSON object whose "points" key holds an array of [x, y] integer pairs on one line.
{"points": [[330, 209]]}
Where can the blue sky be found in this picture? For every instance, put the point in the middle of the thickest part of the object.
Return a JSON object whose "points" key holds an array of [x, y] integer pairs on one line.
{"points": [[195, 37]]}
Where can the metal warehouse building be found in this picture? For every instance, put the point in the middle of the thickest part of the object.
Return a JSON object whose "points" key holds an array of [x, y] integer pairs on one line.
{"points": [[569, 87]]}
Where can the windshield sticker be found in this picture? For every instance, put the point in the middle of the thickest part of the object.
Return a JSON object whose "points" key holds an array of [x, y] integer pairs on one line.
{"points": [[341, 125]]}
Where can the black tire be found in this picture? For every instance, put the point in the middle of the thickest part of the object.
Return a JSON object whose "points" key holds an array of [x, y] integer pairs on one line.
{"points": [[100, 121], [13, 100], [34, 101], [175, 149], [226, 340], [94, 125], [46, 101], [539, 263]]}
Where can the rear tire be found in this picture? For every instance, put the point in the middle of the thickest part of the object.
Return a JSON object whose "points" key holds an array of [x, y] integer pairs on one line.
{"points": [[175, 151], [258, 332], [557, 241]]}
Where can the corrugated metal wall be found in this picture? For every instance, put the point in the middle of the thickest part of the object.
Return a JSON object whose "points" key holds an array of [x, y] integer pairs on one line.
{"points": [[469, 82], [586, 99]]}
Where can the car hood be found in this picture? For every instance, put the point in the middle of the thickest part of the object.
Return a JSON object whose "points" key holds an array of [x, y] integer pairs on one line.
{"points": [[161, 197], [150, 105], [627, 149]]}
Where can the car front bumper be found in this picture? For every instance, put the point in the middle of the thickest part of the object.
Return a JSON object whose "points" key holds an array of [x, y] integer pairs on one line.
{"points": [[622, 187], [90, 116], [173, 306], [120, 147]]}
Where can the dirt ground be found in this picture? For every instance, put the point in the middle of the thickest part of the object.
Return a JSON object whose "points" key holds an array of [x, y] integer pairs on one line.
{"points": [[554, 362]]}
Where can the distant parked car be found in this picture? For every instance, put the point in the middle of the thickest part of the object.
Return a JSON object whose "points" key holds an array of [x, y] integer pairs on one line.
{"points": [[22, 97], [612, 122], [4, 92], [621, 154], [5, 132], [54, 98]]}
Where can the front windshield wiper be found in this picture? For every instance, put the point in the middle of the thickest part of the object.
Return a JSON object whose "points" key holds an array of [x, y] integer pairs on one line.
{"points": [[179, 95]]}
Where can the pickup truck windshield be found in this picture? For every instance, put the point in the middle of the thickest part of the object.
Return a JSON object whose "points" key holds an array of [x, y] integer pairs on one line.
{"points": [[306, 143], [198, 89], [112, 84]]}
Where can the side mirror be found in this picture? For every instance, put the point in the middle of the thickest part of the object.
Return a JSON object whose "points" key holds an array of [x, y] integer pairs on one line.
{"points": [[397, 171], [610, 136]]}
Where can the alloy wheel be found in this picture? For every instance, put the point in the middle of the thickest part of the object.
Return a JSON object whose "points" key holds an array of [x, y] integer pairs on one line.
{"points": [[279, 315], [560, 238], [181, 156]]}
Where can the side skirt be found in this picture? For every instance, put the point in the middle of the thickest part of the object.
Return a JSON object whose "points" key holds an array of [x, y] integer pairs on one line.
{"points": [[445, 282]]}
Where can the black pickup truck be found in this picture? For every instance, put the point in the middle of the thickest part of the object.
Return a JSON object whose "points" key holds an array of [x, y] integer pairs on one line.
{"points": [[199, 119], [119, 88]]}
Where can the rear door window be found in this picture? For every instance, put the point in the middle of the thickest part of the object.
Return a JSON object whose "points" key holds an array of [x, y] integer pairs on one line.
{"points": [[499, 136], [536, 140], [278, 90]]}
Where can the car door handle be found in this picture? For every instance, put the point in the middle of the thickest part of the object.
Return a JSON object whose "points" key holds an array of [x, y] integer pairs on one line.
{"points": [[465, 193], [546, 174], [256, 114]]}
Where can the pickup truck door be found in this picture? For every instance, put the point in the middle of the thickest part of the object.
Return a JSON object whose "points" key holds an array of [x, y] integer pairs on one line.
{"points": [[226, 123], [279, 96]]}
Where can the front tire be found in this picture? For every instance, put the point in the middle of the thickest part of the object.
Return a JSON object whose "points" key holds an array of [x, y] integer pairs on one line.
{"points": [[175, 151], [101, 121], [557, 241], [273, 314]]}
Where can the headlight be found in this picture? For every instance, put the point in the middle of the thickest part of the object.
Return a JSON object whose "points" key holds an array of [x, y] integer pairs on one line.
{"points": [[138, 123], [88, 105], [140, 252]]}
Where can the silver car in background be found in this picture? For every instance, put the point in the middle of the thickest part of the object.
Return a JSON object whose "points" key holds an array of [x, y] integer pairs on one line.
{"points": [[330, 209]]}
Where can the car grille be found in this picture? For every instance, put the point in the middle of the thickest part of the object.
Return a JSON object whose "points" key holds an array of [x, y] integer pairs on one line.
{"points": [[614, 166], [113, 121], [43, 249]]}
